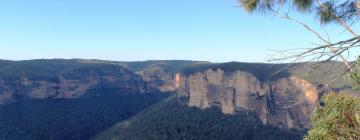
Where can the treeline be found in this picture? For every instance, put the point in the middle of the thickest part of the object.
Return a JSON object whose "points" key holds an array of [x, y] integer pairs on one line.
{"points": [[262, 71]]}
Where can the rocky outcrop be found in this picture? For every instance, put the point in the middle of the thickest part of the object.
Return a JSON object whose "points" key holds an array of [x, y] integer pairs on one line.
{"points": [[284, 102], [163, 79], [73, 84]]}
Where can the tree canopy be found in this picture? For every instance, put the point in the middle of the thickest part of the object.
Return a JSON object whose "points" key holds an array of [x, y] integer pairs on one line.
{"points": [[327, 11], [345, 13]]}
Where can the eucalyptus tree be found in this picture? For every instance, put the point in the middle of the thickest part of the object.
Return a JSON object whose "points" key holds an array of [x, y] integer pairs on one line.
{"points": [[337, 116], [344, 13]]}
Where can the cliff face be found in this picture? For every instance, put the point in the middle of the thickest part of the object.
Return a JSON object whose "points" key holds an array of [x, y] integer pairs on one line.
{"points": [[163, 79], [284, 102], [73, 83], [162, 73]]}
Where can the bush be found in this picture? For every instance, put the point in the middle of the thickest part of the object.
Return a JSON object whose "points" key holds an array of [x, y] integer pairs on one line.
{"points": [[336, 117]]}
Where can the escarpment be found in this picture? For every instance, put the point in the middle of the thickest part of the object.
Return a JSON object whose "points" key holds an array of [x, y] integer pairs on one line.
{"points": [[165, 81], [286, 102], [72, 82]]}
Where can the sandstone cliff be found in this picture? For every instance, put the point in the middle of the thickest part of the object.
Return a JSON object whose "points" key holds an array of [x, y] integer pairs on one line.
{"points": [[70, 82], [283, 102], [161, 78]]}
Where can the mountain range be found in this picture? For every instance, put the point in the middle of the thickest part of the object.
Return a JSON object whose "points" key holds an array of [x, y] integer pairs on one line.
{"points": [[165, 99]]}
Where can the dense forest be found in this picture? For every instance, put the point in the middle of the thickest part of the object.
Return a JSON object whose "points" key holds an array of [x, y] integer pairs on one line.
{"points": [[70, 119], [170, 120]]}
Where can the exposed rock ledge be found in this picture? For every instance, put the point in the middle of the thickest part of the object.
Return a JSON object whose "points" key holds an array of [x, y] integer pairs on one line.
{"points": [[74, 84], [273, 101]]}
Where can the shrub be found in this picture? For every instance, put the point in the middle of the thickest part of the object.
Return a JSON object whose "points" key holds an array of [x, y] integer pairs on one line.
{"points": [[337, 117]]}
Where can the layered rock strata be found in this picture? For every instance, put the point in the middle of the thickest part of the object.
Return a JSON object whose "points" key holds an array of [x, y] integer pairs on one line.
{"points": [[285, 102]]}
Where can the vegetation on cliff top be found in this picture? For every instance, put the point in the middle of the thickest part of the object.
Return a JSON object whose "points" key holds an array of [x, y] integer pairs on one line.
{"points": [[45, 69], [268, 72]]}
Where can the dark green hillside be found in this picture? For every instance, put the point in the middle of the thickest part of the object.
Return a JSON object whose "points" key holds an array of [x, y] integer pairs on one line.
{"points": [[170, 120], [70, 119]]}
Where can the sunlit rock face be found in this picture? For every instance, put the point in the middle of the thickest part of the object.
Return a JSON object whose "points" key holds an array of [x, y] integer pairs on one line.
{"points": [[170, 84], [284, 102], [165, 81], [74, 84]]}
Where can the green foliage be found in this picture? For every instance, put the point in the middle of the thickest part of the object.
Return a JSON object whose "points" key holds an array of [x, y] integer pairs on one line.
{"points": [[326, 13], [249, 5], [303, 5], [327, 10], [338, 118], [70, 119], [171, 120]]}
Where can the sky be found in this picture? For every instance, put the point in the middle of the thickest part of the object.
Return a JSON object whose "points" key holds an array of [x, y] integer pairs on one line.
{"points": [[137, 30]]}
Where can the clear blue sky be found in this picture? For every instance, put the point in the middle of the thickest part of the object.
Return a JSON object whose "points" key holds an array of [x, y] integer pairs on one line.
{"points": [[128, 30]]}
